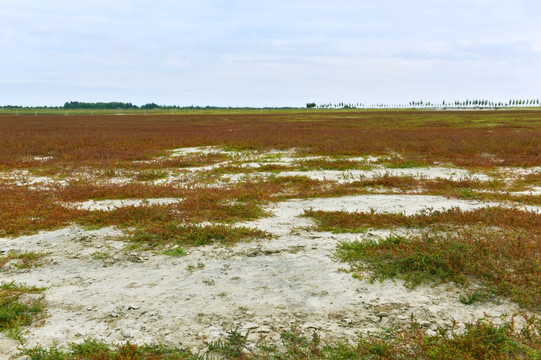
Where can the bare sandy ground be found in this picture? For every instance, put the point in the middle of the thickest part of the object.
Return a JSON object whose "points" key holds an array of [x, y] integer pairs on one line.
{"points": [[264, 287]]}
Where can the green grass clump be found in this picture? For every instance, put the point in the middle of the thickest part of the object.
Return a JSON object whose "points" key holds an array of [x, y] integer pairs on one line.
{"points": [[508, 263], [337, 222], [96, 350], [480, 340], [151, 175], [404, 164], [100, 255], [468, 194], [176, 252], [414, 260], [22, 260], [13, 312], [158, 235], [468, 299], [343, 221], [331, 164]]}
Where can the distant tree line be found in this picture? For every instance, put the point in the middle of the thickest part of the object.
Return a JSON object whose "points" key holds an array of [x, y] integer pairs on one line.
{"points": [[105, 105], [150, 106], [476, 103]]}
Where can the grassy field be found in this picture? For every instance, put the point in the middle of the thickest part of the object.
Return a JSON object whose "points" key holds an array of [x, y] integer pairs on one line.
{"points": [[180, 184], [483, 139]]}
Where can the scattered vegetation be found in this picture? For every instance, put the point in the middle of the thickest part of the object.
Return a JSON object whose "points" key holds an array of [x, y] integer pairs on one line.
{"points": [[398, 163], [22, 260], [331, 164], [513, 139], [82, 155], [100, 255], [506, 262], [96, 350], [14, 312], [470, 298], [480, 340], [151, 175], [192, 267], [342, 221], [192, 235], [175, 252], [27, 209]]}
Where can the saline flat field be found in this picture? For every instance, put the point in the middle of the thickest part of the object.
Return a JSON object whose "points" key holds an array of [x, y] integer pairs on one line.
{"points": [[315, 235]]}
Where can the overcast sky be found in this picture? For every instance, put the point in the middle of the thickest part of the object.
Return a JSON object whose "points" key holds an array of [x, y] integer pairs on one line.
{"points": [[268, 52]]}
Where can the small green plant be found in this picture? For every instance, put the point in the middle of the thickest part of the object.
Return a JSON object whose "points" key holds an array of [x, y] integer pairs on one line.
{"points": [[397, 163], [468, 194], [100, 255], [175, 252], [192, 235], [151, 175], [199, 266], [15, 313], [233, 347], [470, 298], [16, 333], [22, 260]]}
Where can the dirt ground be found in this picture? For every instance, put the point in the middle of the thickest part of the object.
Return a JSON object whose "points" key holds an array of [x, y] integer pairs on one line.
{"points": [[262, 287]]}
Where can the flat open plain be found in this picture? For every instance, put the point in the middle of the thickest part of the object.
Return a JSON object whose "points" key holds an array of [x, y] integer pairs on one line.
{"points": [[181, 229]]}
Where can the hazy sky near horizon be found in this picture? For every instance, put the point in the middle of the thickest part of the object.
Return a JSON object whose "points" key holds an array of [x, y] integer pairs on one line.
{"points": [[268, 52]]}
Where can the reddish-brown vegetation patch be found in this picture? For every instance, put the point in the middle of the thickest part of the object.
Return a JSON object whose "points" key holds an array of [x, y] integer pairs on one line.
{"points": [[489, 216], [483, 139]]}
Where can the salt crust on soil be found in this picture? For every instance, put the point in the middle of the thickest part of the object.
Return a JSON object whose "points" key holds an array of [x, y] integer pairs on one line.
{"points": [[264, 287], [254, 159], [356, 175]]}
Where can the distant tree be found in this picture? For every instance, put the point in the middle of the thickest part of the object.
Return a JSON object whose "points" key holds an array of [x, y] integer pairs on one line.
{"points": [[98, 105], [149, 106], [311, 105]]}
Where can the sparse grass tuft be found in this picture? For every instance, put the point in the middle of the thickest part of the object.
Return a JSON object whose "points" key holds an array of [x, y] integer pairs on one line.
{"points": [[151, 175], [22, 260], [100, 255], [470, 298], [468, 194], [175, 252], [480, 340], [158, 235], [97, 350], [398, 163], [331, 164], [13, 311]]}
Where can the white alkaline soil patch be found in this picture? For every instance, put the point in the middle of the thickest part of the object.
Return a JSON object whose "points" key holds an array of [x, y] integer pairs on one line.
{"points": [[97, 288]]}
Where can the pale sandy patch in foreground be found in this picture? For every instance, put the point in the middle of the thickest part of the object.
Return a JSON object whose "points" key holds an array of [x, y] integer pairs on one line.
{"points": [[265, 286]]}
